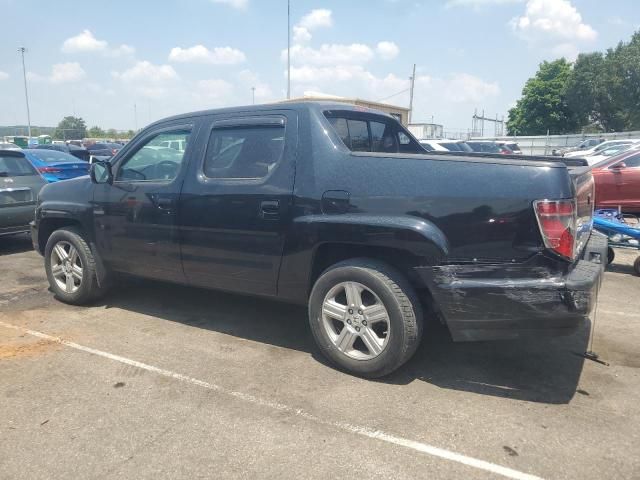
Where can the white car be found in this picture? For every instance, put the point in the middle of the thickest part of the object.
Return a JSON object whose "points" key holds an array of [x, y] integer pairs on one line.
{"points": [[610, 152], [445, 145], [433, 146], [601, 147]]}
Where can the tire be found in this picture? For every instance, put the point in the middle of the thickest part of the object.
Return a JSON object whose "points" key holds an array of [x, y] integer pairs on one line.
{"points": [[371, 351], [83, 288], [611, 255], [636, 266]]}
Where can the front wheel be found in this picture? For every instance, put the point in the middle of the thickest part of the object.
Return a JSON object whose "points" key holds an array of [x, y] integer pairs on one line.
{"points": [[365, 317], [71, 267], [636, 266]]}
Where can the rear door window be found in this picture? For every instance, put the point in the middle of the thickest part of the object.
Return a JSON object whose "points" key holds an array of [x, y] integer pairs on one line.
{"points": [[359, 135], [244, 152]]}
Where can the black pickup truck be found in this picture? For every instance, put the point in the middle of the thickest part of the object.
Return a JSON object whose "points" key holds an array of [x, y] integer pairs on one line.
{"points": [[340, 208]]}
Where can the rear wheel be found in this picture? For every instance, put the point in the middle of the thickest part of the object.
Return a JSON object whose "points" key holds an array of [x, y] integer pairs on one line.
{"points": [[610, 255], [71, 267], [636, 266], [365, 317]]}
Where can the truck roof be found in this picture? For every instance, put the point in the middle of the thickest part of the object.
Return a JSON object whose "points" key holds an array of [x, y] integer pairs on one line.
{"points": [[297, 106]]}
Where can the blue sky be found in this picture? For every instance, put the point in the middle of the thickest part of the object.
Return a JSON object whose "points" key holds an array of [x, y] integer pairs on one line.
{"points": [[98, 59]]}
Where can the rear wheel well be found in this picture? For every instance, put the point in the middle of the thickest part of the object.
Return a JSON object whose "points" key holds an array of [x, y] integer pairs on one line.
{"points": [[49, 225], [331, 253]]}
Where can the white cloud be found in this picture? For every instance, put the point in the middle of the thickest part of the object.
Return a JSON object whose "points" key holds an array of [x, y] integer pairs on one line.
{"points": [[3, 75], [330, 54], [147, 72], [215, 90], [547, 21], [466, 88], [239, 4], [318, 18], [301, 34], [86, 42], [201, 54], [67, 72], [60, 73], [147, 79], [479, 3], [387, 50]]}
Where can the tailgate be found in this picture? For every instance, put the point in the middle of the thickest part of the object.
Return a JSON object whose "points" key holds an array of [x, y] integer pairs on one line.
{"points": [[585, 199]]}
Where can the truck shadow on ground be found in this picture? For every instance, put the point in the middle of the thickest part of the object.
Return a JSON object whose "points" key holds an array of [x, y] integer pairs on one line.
{"points": [[13, 244], [543, 370]]}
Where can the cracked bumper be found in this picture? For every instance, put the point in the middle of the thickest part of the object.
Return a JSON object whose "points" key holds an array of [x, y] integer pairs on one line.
{"points": [[481, 303]]}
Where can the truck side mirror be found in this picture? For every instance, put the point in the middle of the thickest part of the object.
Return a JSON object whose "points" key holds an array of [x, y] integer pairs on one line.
{"points": [[100, 172]]}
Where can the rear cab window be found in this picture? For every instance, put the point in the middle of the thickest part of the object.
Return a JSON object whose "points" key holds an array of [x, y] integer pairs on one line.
{"points": [[15, 166], [368, 132]]}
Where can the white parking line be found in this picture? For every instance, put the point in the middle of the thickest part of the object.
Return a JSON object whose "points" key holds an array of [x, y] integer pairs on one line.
{"points": [[348, 427]]}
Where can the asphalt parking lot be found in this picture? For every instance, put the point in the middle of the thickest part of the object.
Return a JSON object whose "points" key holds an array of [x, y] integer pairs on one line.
{"points": [[164, 381]]}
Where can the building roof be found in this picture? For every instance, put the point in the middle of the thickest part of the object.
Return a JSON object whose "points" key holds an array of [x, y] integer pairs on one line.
{"points": [[319, 97]]}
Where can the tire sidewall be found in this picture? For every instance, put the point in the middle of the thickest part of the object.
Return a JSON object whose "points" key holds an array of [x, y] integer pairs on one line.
{"points": [[393, 352], [85, 290]]}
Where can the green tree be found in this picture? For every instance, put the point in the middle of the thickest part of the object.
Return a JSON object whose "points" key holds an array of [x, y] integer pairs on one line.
{"points": [[112, 133], [623, 78], [96, 132], [71, 128], [543, 105], [130, 134]]}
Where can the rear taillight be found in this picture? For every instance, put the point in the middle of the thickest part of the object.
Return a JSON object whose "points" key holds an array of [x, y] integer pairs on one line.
{"points": [[557, 221], [48, 170], [114, 151], [505, 151]]}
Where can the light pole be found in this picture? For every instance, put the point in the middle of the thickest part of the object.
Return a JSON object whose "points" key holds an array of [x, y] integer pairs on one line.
{"points": [[22, 50], [253, 95], [288, 49]]}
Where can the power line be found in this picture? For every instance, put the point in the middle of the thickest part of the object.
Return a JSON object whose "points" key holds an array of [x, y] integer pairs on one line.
{"points": [[26, 94], [394, 95]]}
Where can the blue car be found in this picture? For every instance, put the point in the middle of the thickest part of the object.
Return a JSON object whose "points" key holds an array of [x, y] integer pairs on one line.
{"points": [[54, 165]]}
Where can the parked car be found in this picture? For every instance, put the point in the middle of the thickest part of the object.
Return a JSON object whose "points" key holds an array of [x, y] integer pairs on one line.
{"points": [[606, 153], [337, 207], [487, 146], [78, 152], [513, 146], [618, 182], [433, 146], [9, 146], [104, 149], [582, 145], [600, 147], [19, 187], [54, 165], [446, 145]]}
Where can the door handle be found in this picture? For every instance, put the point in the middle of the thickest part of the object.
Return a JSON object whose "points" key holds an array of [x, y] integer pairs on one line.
{"points": [[270, 209], [165, 203]]}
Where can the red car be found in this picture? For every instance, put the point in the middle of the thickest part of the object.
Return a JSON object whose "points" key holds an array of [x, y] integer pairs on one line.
{"points": [[618, 182]]}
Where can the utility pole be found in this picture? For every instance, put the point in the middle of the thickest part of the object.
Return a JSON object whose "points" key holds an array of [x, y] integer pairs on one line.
{"points": [[135, 116], [253, 95], [413, 82], [22, 50], [288, 49]]}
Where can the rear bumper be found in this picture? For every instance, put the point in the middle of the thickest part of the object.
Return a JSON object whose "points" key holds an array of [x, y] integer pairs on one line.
{"points": [[509, 306]]}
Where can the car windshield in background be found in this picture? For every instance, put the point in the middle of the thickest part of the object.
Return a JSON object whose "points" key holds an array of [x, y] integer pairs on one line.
{"points": [[15, 166], [484, 147], [52, 156]]}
